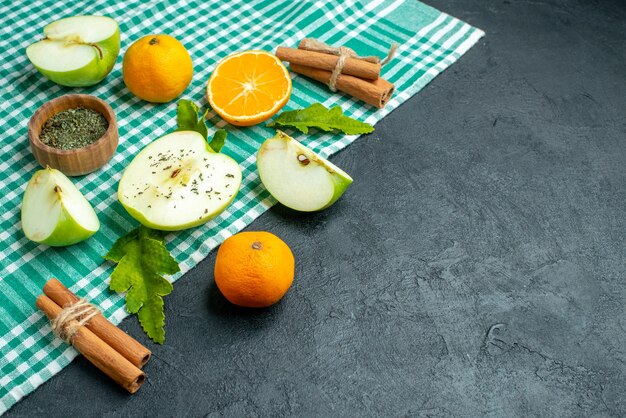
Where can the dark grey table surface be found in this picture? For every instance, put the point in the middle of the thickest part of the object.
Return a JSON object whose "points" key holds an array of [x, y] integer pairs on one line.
{"points": [[476, 266]]}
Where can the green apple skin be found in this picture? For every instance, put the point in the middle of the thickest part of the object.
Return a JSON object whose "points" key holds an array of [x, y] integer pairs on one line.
{"points": [[139, 217], [341, 181], [67, 231], [341, 185], [195, 140], [92, 73]]}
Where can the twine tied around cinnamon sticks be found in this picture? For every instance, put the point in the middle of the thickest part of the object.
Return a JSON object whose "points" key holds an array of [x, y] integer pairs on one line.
{"points": [[340, 68], [71, 318], [343, 52]]}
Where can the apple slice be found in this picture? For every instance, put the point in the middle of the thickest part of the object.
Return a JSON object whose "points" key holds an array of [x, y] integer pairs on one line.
{"points": [[178, 182], [54, 212], [77, 51], [297, 177]]}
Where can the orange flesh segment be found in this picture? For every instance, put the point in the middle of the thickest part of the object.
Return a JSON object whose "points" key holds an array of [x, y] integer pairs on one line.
{"points": [[249, 85]]}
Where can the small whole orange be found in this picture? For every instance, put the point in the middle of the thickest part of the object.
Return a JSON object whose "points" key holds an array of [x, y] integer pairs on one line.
{"points": [[157, 68], [254, 269]]}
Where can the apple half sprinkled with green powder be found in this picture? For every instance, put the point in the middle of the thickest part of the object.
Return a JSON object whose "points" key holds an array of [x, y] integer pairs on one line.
{"points": [[54, 212], [297, 177], [77, 51], [178, 182]]}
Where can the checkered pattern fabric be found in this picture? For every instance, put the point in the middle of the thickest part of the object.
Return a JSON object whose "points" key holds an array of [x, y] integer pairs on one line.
{"points": [[429, 41]]}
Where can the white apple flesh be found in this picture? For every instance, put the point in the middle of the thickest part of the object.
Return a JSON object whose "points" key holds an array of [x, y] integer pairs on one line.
{"points": [[178, 182], [77, 51], [54, 212], [297, 177]]}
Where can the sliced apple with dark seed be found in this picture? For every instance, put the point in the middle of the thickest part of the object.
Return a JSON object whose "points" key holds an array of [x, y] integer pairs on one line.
{"points": [[178, 182], [298, 177]]}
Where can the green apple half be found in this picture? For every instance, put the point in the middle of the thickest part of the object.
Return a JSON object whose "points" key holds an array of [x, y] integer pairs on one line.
{"points": [[297, 177], [178, 182], [54, 212], [77, 51]]}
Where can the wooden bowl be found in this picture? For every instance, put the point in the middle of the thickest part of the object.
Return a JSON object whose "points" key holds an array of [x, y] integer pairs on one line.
{"points": [[78, 161]]}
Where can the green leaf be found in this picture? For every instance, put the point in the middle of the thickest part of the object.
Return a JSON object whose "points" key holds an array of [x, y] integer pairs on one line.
{"points": [[201, 126], [317, 116], [142, 258], [118, 251], [187, 118], [219, 138], [187, 115]]}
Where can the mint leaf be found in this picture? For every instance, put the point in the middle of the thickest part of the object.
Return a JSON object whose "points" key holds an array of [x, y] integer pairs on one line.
{"points": [[186, 115], [219, 138], [317, 116], [187, 118], [117, 251], [201, 126], [142, 258]]}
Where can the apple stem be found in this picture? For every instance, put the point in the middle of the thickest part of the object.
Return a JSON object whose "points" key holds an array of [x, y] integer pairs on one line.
{"points": [[303, 160]]}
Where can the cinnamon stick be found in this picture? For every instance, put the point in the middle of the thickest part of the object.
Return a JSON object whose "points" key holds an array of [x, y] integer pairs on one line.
{"points": [[99, 353], [376, 93], [121, 342], [353, 66]]}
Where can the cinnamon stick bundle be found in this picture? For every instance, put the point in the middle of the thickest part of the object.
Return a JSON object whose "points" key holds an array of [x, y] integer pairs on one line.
{"points": [[107, 347], [376, 93], [356, 67], [341, 69], [121, 342]]}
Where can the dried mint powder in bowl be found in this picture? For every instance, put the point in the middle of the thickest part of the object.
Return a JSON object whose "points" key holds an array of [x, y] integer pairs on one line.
{"points": [[73, 128]]}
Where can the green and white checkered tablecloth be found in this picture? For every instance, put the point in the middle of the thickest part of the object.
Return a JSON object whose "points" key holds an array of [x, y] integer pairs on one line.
{"points": [[429, 40]]}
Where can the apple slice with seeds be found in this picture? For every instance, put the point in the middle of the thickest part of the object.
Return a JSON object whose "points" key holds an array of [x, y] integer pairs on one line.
{"points": [[178, 182], [297, 177]]}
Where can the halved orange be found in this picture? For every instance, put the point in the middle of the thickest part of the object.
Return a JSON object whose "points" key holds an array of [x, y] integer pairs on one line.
{"points": [[248, 87]]}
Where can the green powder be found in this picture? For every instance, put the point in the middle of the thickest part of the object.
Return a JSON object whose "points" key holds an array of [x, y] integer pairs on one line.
{"points": [[73, 128]]}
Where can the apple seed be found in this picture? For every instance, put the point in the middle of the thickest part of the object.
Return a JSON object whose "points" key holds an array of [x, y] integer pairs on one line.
{"points": [[303, 160]]}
